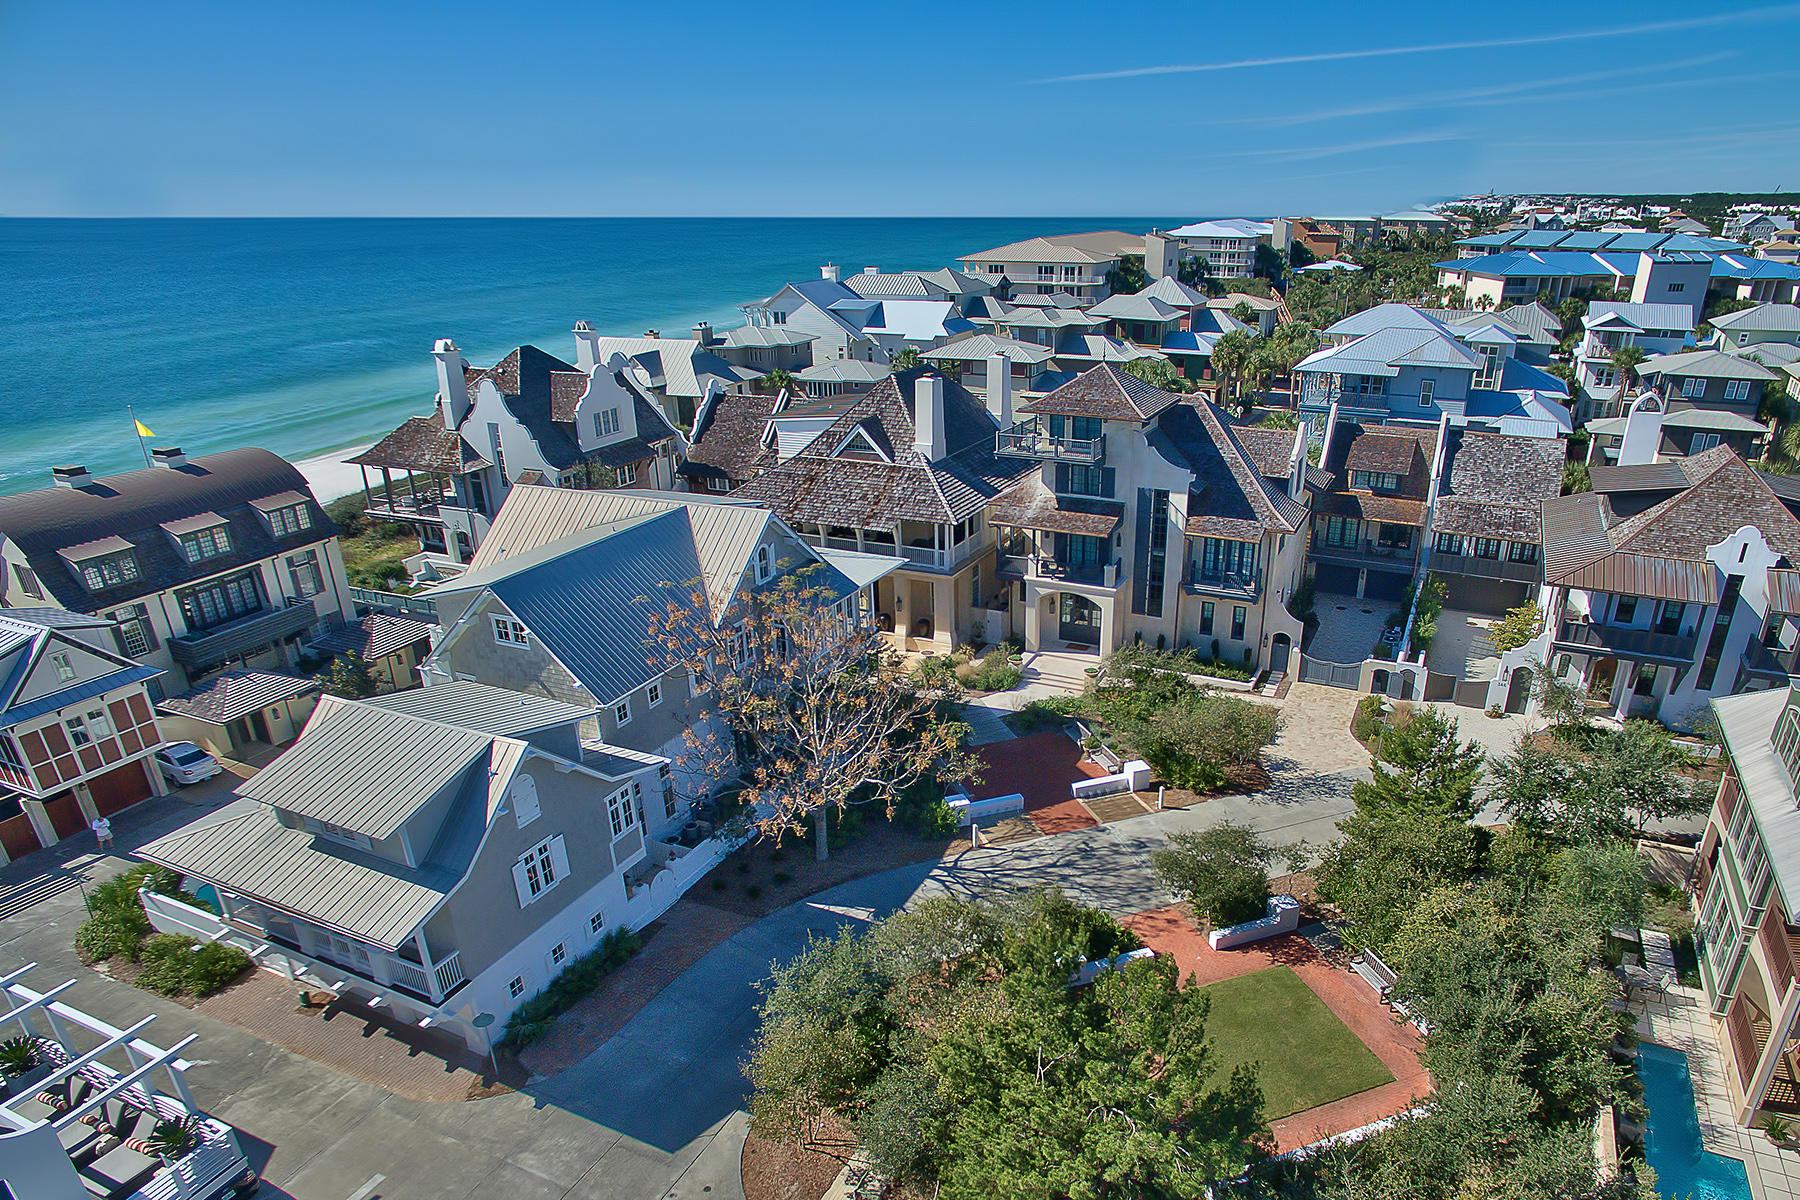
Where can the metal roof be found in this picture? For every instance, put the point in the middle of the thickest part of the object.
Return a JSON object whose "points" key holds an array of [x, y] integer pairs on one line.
{"points": [[244, 847], [1641, 316], [1708, 364], [366, 768], [498, 711], [76, 694], [1574, 532], [233, 694], [376, 636], [1646, 575], [1747, 725], [1782, 318]]}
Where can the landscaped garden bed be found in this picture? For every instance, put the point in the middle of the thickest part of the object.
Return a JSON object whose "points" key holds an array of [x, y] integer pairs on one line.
{"points": [[118, 939]]}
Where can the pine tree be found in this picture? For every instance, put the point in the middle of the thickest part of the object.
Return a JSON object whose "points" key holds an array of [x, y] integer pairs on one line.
{"points": [[1421, 767]]}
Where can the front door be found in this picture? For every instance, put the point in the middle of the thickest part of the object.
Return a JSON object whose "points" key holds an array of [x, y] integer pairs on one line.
{"points": [[1278, 653], [1080, 619], [259, 726]]}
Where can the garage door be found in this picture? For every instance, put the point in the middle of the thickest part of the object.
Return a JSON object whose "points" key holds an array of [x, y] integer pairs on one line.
{"points": [[65, 814], [1335, 580], [1386, 585], [16, 834], [119, 788]]}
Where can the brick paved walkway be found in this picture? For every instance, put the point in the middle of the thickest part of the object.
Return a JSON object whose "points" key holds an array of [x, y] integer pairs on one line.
{"points": [[1170, 931], [1040, 767], [417, 1064]]}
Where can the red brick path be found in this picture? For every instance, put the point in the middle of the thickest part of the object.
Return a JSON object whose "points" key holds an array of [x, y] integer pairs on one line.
{"points": [[1396, 1044], [1040, 767]]}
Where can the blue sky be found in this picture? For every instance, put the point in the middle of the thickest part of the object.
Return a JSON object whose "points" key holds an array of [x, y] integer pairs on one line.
{"points": [[1045, 108]]}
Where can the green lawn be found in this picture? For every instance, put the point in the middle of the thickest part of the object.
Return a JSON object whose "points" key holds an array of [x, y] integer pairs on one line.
{"points": [[1304, 1055]]}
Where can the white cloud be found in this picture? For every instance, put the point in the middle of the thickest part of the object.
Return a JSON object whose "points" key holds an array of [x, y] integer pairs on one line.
{"points": [[1777, 12]]}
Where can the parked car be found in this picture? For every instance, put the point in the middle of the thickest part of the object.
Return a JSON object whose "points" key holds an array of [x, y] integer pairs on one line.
{"points": [[183, 763]]}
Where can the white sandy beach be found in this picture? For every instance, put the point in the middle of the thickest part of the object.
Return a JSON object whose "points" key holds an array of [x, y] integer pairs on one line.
{"points": [[329, 476]]}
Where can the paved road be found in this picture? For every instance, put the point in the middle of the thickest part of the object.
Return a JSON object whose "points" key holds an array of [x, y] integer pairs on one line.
{"points": [[655, 1112]]}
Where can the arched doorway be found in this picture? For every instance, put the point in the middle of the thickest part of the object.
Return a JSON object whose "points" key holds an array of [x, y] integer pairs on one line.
{"points": [[1518, 689], [1278, 653], [1378, 682], [1080, 619]]}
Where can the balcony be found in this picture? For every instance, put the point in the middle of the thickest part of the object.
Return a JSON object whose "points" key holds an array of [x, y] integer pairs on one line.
{"points": [[1637, 645], [1026, 440], [1227, 583], [1364, 553], [1046, 566], [417, 508], [219, 643]]}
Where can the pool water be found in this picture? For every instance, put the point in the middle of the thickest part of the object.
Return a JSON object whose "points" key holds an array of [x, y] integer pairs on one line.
{"points": [[1684, 1167]]}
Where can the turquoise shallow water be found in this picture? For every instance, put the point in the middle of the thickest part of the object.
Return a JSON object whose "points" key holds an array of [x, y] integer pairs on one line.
{"points": [[1684, 1167], [305, 336]]}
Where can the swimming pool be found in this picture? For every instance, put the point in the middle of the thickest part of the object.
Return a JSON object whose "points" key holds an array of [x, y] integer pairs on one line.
{"points": [[1684, 1167]]}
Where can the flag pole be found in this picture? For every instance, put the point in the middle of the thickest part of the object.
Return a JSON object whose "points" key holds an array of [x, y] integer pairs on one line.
{"points": [[135, 426]]}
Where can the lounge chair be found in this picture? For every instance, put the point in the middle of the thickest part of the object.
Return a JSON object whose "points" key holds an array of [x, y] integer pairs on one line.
{"points": [[67, 1094], [117, 1173]]}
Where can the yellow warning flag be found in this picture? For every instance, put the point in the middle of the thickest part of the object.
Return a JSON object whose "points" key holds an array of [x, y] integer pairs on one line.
{"points": [[143, 429]]}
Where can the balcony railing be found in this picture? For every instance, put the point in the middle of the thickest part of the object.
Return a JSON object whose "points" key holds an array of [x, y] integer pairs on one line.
{"points": [[1229, 583], [211, 646], [1045, 566], [1026, 440], [1365, 551], [1637, 645], [1487, 568], [409, 507]]}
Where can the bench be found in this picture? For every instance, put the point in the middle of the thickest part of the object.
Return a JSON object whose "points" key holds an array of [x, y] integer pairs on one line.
{"points": [[1375, 973]]}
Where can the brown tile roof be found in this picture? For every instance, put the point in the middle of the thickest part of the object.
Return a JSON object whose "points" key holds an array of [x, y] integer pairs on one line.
{"points": [[1379, 448], [422, 444], [1106, 392], [1366, 506], [566, 390], [1229, 496], [728, 438], [1495, 484], [1270, 449], [1381, 452], [817, 485], [1031, 505]]}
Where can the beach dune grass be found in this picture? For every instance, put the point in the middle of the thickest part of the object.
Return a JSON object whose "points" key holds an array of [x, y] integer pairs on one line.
{"points": [[1304, 1055]]}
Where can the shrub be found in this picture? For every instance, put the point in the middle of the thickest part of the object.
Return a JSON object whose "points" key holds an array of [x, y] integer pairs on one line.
{"points": [[18, 1055], [116, 924], [996, 673], [531, 1020], [1223, 871], [164, 960], [1369, 720], [936, 670], [214, 965], [1053, 711], [781, 878]]}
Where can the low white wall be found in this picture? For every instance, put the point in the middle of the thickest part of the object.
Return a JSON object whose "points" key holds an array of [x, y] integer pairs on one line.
{"points": [[968, 810], [1135, 777], [1283, 917], [678, 872]]}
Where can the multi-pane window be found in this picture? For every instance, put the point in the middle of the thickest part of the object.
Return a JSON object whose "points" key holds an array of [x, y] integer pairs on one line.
{"points": [[1342, 531], [284, 522], [597, 924], [111, 571], [620, 812], [1206, 616], [515, 987], [1787, 742], [1221, 557], [206, 543], [559, 954], [1525, 552], [1375, 481], [304, 571], [1238, 613], [1085, 480], [540, 871], [628, 475], [1487, 547], [78, 734], [1365, 385], [65, 669], [606, 422], [1693, 386], [221, 600], [622, 712], [1625, 611], [136, 637], [1450, 543], [1737, 389], [509, 632]]}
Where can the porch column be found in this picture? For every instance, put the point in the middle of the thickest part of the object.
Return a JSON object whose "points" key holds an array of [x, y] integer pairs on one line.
{"points": [[40, 820], [368, 498], [1109, 617], [1625, 676], [1034, 619], [158, 785], [84, 798], [426, 965], [387, 486], [943, 612]]}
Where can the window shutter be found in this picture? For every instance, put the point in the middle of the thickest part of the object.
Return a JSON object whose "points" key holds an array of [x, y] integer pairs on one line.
{"points": [[1062, 479], [521, 884], [559, 858], [525, 799], [1107, 475]]}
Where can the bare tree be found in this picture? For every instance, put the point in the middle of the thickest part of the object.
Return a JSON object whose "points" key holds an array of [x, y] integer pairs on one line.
{"points": [[815, 712]]}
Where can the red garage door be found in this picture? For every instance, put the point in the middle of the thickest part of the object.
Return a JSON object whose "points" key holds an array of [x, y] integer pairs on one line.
{"points": [[16, 834], [65, 814], [119, 788]]}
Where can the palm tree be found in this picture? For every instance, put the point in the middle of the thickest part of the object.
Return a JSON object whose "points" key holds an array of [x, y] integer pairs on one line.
{"points": [[905, 360], [1230, 356], [777, 381], [1625, 361]]}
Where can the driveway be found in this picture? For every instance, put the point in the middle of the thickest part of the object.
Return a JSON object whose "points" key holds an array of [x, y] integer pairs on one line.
{"points": [[656, 1110], [1348, 627]]}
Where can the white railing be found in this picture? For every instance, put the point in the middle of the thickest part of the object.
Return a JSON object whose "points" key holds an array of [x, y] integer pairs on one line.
{"points": [[449, 973], [968, 811]]}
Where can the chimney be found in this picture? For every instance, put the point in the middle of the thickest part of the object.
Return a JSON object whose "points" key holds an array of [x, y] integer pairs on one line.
{"points": [[871, 270], [453, 385], [999, 389], [829, 271], [652, 334], [928, 416], [703, 333], [167, 457], [587, 347], [71, 477], [1643, 431]]}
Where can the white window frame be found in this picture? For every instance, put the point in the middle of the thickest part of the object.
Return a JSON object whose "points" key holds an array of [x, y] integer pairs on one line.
{"points": [[1427, 390], [627, 474], [540, 870], [65, 669], [597, 924], [1693, 386], [765, 562], [622, 713], [509, 631], [620, 813], [558, 956], [515, 987], [1737, 389], [653, 694]]}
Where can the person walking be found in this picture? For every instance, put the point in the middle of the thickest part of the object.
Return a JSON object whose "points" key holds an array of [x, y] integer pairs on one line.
{"points": [[102, 832]]}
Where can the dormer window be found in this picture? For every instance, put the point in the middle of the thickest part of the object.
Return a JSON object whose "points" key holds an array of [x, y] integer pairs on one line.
{"points": [[206, 543], [287, 521], [1375, 481], [98, 574], [509, 632]]}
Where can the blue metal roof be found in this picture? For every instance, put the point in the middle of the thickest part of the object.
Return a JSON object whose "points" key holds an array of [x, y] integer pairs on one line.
{"points": [[76, 694], [1742, 266]]}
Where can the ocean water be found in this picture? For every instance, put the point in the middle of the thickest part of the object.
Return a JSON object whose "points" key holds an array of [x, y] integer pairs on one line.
{"points": [[307, 336]]}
